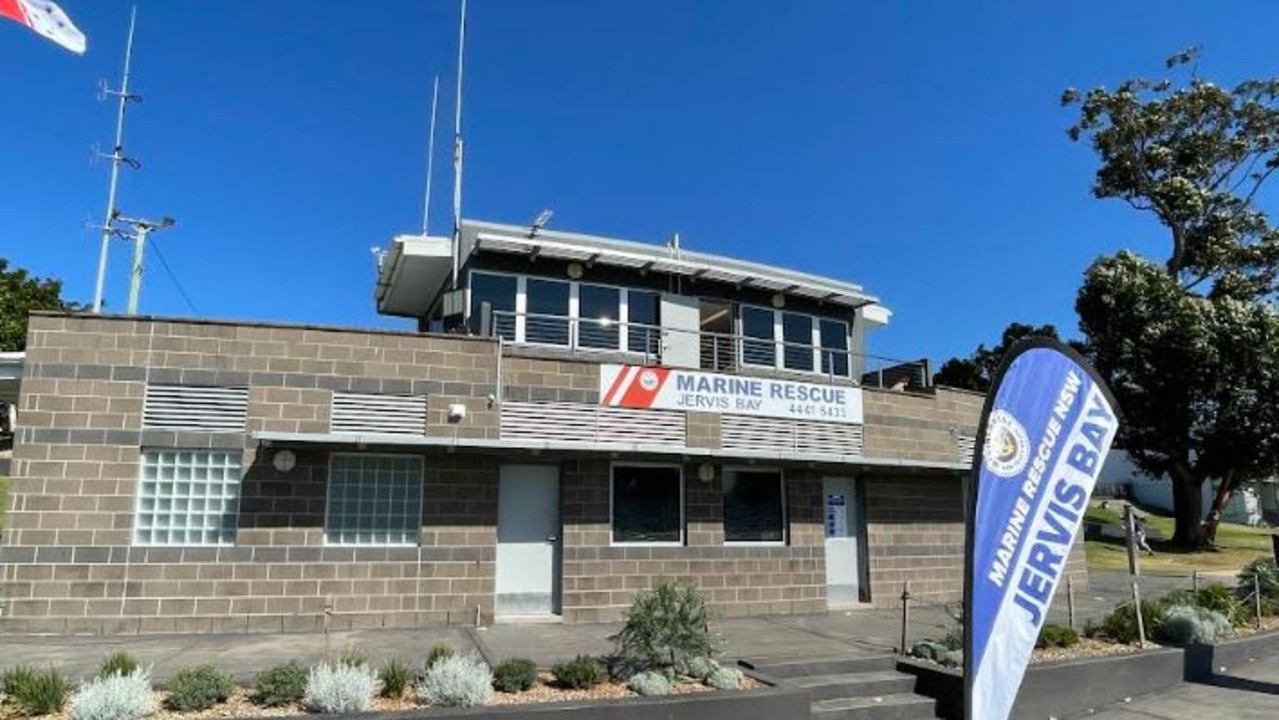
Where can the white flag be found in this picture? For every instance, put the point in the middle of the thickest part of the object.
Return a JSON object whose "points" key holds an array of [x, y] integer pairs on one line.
{"points": [[46, 18]]}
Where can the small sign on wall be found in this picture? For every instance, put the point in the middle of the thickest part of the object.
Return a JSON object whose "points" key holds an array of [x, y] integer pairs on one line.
{"points": [[836, 516]]}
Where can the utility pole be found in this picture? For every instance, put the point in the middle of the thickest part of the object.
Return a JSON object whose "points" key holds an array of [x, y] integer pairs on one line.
{"points": [[457, 150], [117, 158], [141, 231]]}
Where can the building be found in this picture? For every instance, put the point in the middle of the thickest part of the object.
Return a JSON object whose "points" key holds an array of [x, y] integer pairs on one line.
{"points": [[590, 415]]}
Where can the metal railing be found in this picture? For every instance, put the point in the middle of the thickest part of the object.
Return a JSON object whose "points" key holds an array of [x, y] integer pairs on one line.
{"points": [[716, 352]]}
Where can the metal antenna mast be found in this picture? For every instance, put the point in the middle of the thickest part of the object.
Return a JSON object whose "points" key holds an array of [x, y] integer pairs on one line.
{"points": [[430, 160], [117, 159], [457, 150]]}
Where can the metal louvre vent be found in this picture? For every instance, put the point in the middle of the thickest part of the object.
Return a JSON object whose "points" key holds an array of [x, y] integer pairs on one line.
{"points": [[365, 413], [190, 407], [747, 432], [577, 422], [965, 447]]}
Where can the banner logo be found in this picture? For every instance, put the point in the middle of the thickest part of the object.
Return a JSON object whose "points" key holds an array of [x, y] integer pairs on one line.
{"points": [[1007, 445], [648, 380]]}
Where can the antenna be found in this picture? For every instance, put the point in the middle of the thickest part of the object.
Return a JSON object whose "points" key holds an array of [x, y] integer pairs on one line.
{"points": [[141, 229], [117, 159], [457, 149], [430, 161]]}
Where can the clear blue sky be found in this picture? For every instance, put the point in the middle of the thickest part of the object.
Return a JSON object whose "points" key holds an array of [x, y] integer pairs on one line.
{"points": [[917, 148]]}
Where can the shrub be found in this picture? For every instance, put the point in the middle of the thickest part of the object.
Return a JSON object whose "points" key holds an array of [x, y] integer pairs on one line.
{"points": [[119, 663], [199, 688], [650, 683], [1267, 574], [581, 673], [36, 692], [701, 668], [394, 677], [438, 652], [280, 685], [1188, 624], [724, 678], [1216, 597], [1054, 635], [339, 688], [515, 675], [665, 629], [1121, 624], [456, 681], [352, 657], [115, 697], [954, 639]]}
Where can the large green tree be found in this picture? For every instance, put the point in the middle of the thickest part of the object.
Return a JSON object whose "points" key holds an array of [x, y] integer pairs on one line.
{"points": [[1189, 342], [20, 293], [976, 371]]}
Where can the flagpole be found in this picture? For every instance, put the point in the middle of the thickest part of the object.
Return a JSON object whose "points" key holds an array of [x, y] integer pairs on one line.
{"points": [[430, 160], [117, 158], [457, 150]]}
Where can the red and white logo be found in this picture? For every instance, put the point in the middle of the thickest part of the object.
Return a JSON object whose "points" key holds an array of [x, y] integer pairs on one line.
{"points": [[635, 387]]}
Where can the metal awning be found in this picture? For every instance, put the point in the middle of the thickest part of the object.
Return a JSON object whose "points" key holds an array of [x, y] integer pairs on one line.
{"points": [[516, 240], [481, 445]]}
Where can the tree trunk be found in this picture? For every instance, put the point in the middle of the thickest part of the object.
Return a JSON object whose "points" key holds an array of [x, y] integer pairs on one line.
{"points": [[1187, 508], [1219, 500]]}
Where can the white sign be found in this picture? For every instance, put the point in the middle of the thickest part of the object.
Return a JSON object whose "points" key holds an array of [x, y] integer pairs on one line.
{"points": [[836, 517], [635, 386]]}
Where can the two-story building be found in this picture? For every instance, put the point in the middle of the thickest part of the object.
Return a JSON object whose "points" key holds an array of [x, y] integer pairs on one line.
{"points": [[575, 418]]}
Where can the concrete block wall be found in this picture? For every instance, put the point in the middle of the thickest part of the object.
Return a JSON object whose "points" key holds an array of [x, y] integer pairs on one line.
{"points": [[67, 562], [915, 426], [600, 580], [915, 532]]}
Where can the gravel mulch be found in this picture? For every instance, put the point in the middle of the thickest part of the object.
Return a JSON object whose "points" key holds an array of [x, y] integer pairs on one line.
{"points": [[1085, 648]]}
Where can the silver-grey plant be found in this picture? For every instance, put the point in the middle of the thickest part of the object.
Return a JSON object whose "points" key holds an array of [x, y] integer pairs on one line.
{"points": [[333, 688], [456, 681], [650, 683], [115, 697]]}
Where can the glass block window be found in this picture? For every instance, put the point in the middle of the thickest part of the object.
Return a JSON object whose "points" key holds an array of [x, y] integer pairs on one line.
{"points": [[188, 497], [374, 500]]}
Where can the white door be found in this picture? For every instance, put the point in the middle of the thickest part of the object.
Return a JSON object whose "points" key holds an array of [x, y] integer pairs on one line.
{"points": [[681, 327], [528, 529], [843, 539]]}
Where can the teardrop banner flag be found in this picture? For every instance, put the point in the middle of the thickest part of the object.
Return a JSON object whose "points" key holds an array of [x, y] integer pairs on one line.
{"points": [[1048, 423]]}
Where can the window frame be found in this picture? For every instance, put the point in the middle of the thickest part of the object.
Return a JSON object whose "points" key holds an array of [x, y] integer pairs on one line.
{"points": [[781, 480], [683, 494], [328, 500], [779, 341], [140, 497]]}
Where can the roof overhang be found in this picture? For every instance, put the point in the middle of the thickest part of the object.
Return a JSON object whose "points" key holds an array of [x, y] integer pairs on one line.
{"points": [[643, 257], [548, 447], [413, 274], [11, 375]]}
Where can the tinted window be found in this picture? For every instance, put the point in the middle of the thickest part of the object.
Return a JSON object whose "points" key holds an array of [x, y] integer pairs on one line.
{"points": [[643, 318], [797, 332], [646, 504], [598, 308], [493, 302], [835, 347], [547, 312], [753, 508], [758, 323]]}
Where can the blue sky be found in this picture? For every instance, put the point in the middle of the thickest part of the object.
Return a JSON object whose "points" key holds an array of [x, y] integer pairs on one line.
{"points": [[915, 147]]}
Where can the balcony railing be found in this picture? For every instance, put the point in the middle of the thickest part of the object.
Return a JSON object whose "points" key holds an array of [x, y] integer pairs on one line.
{"points": [[715, 352]]}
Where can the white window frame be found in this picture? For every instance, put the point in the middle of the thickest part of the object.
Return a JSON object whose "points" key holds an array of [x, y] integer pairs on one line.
{"points": [[781, 478], [779, 341], [328, 499], [138, 500], [574, 308], [683, 522]]}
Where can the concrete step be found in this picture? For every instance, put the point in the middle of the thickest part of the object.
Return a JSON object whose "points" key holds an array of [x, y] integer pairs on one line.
{"points": [[856, 685], [898, 706], [798, 667]]}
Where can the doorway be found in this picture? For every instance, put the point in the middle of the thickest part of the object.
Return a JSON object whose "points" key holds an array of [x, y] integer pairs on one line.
{"points": [[717, 336], [527, 571], [846, 567]]}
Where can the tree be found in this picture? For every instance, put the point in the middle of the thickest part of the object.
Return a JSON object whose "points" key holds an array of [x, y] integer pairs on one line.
{"points": [[976, 371], [1190, 344], [20, 294]]}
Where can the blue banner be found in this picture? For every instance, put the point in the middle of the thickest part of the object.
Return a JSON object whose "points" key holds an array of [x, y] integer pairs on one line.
{"points": [[1045, 432]]}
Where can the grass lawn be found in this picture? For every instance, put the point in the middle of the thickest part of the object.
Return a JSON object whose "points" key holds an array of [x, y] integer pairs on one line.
{"points": [[1237, 545]]}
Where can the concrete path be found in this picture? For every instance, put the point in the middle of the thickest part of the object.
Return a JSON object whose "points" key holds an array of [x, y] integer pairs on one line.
{"points": [[858, 631], [1249, 692]]}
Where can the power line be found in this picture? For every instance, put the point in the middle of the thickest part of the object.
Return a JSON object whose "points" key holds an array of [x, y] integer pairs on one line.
{"points": [[172, 276]]}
